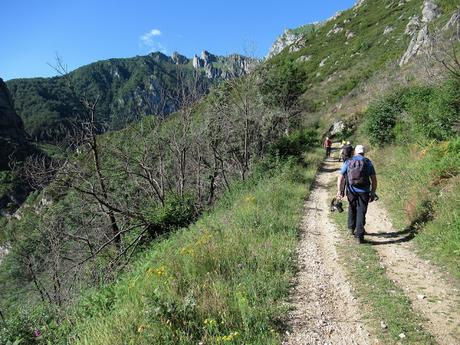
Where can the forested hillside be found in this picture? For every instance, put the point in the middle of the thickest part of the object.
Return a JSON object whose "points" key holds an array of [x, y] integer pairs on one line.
{"points": [[182, 229], [128, 88], [14, 147]]}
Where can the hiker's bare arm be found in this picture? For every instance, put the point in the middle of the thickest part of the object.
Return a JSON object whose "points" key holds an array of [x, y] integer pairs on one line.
{"points": [[340, 181], [374, 183]]}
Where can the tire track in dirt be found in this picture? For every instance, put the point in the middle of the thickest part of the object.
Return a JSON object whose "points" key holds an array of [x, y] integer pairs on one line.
{"points": [[434, 295], [324, 309]]}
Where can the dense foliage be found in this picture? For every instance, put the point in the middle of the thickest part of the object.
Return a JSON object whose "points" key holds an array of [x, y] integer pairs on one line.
{"points": [[418, 129], [415, 114]]}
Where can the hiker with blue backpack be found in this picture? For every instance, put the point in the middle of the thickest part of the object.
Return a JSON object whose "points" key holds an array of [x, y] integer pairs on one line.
{"points": [[359, 182]]}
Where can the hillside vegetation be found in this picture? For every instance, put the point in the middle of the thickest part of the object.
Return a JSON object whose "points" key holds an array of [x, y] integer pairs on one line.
{"points": [[128, 89], [182, 229], [102, 205], [416, 130]]}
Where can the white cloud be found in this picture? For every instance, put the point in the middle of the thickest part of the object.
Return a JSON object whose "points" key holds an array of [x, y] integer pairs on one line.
{"points": [[147, 39], [158, 47]]}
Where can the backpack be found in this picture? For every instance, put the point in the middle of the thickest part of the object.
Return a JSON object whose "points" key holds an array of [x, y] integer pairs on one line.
{"points": [[357, 173], [347, 152]]}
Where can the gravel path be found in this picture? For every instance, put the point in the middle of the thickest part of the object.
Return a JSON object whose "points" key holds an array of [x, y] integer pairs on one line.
{"points": [[324, 309], [433, 294]]}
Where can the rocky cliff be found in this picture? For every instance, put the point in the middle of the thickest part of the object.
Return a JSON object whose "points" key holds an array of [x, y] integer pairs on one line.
{"points": [[11, 126], [292, 38], [12, 134]]}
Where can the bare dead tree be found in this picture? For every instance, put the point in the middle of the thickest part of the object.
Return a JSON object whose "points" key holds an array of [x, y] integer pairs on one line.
{"points": [[443, 49]]}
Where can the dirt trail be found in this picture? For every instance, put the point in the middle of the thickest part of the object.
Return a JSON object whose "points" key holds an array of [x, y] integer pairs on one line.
{"points": [[325, 311], [433, 295]]}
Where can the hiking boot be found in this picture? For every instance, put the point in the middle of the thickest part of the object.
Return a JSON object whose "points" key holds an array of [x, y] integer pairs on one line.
{"points": [[359, 240], [352, 232]]}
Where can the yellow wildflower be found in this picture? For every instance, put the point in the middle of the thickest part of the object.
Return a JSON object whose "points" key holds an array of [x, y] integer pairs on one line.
{"points": [[210, 322], [159, 272], [250, 199]]}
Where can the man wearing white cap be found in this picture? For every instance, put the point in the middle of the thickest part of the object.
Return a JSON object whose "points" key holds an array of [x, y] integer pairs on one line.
{"points": [[359, 176]]}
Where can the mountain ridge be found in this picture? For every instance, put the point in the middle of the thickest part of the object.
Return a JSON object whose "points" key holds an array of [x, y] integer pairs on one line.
{"points": [[129, 88]]}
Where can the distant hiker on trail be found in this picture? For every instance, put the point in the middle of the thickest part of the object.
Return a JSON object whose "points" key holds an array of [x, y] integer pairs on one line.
{"points": [[341, 148], [346, 152], [358, 176], [328, 146]]}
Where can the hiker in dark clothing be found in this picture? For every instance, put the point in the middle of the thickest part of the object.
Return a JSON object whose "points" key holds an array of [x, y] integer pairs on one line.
{"points": [[358, 175], [346, 152], [328, 146]]}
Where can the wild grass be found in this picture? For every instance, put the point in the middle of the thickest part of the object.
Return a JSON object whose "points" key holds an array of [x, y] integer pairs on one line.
{"points": [[420, 186], [222, 280], [380, 298]]}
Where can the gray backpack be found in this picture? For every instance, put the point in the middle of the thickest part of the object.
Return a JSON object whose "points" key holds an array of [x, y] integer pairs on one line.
{"points": [[357, 173]]}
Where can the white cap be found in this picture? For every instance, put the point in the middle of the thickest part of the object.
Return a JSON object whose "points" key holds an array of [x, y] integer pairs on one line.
{"points": [[359, 149]]}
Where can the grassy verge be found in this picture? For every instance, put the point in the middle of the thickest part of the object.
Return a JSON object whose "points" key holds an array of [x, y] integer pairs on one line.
{"points": [[381, 299], [222, 280], [425, 197]]}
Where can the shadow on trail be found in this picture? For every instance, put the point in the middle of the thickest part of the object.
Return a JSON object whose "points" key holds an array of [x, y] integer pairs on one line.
{"points": [[391, 234], [407, 238], [409, 231], [323, 169], [313, 209]]}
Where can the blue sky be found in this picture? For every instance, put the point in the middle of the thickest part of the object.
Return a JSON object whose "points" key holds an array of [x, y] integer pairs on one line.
{"points": [[84, 31]]}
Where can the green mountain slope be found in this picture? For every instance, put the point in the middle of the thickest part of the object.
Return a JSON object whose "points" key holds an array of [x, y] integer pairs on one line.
{"points": [[14, 147], [244, 143], [350, 48], [128, 89]]}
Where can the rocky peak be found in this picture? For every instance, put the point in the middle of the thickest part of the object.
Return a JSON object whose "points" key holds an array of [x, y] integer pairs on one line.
{"points": [[286, 39], [207, 57], [359, 3], [197, 62], [179, 59], [228, 67]]}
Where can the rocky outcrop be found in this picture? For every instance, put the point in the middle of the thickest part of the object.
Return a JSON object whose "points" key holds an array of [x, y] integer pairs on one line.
{"points": [[234, 65], [3, 252], [454, 23], [304, 58], [294, 39], [197, 62], [335, 30], [430, 11], [419, 31], [413, 26], [359, 3], [179, 59], [286, 39], [337, 128], [387, 30]]}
